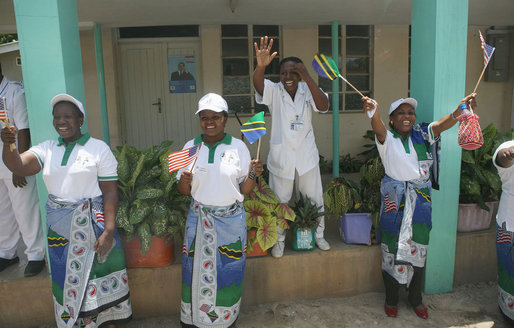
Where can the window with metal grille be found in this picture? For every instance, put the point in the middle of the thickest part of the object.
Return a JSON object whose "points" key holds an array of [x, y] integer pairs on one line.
{"points": [[238, 57], [355, 48]]}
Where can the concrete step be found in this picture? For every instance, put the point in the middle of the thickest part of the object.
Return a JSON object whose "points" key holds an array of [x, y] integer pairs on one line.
{"points": [[345, 270]]}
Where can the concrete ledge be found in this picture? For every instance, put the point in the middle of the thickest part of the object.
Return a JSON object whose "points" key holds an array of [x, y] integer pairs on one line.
{"points": [[346, 270]]}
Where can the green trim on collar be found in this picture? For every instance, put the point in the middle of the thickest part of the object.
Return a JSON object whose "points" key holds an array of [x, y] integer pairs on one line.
{"points": [[227, 140], [69, 148], [405, 141], [81, 141]]}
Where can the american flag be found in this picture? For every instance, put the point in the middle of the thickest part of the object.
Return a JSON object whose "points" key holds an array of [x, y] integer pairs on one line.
{"points": [[3, 109], [205, 308], [99, 217], [389, 205], [183, 158], [503, 237], [488, 50]]}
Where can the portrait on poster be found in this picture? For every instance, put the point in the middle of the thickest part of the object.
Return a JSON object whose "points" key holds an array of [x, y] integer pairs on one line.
{"points": [[181, 73]]}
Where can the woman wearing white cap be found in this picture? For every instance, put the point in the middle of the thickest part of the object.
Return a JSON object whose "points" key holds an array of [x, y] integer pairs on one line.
{"points": [[213, 257], [89, 279], [405, 218]]}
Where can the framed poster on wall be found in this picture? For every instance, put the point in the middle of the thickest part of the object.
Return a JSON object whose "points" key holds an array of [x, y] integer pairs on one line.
{"points": [[182, 72]]}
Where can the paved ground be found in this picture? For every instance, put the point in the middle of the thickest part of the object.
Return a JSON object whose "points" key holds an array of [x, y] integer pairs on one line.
{"points": [[473, 305]]}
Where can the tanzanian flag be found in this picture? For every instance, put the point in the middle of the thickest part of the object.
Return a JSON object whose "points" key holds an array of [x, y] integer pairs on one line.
{"points": [[254, 128]]}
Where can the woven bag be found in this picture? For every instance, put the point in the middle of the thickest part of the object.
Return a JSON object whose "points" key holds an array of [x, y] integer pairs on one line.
{"points": [[470, 133]]}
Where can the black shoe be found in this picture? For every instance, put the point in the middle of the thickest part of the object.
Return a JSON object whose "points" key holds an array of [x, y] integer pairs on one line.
{"points": [[4, 263], [33, 268]]}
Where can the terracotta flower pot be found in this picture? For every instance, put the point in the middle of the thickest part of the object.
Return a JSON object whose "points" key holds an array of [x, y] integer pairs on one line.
{"points": [[257, 250], [159, 254]]}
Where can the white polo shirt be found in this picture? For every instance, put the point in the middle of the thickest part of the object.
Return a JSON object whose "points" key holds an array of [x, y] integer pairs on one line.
{"points": [[14, 94], [399, 157], [72, 172], [218, 171], [506, 207], [292, 142]]}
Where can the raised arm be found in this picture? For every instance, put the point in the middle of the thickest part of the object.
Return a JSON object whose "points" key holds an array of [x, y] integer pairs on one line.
{"points": [[264, 58], [377, 124], [25, 164], [320, 98], [449, 120], [505, 157]]}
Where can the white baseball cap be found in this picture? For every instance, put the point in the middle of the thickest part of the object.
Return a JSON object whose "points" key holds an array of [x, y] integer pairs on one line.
{"points": [[396, 104], [67, 97], [214, 102]]}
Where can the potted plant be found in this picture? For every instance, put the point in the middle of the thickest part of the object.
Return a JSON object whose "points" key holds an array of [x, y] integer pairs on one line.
{"points": [[151, 210], [343, 199], [480, 185], [304, 226], [263, 213]]}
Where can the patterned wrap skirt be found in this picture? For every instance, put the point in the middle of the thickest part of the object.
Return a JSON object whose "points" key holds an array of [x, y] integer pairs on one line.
{"points": [[405, 224], [505, 254], [88, 290], [213, 264]]}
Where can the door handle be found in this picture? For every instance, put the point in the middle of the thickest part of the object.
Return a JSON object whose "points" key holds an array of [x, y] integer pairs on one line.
{"points": [[158, 103]]}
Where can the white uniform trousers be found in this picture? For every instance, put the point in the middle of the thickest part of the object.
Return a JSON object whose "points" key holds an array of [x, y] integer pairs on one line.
{"points": [[19, 213], [309, 184]]}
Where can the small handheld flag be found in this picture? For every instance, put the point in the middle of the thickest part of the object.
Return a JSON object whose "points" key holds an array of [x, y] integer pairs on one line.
{"points": [[3, 110], [5, 117], [182, 158], [326, 67], [488, 50], [488, 53], [254, 128]]}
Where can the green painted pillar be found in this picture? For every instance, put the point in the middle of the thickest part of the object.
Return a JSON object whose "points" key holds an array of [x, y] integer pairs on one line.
{"points": [[100, 73], [50, 51], [335, 103], [438, 72]]}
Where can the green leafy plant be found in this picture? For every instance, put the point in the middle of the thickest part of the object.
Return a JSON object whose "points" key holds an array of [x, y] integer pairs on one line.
{"points": [[307, 213], [371, 147], [342, 196], [371, 174], [149, 202], [479, 180], [324, 165], [349, 164], [264, 213]]}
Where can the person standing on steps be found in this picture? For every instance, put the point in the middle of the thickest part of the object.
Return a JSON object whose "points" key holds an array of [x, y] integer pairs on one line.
{"points": [[293, 155], [19, 202]]}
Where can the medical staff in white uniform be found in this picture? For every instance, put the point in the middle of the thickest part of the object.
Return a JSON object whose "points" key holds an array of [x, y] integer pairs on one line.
{"points": [[293, 152], [19, 203]]}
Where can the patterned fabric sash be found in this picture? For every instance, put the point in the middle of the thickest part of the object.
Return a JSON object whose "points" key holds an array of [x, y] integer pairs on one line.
{"points": [[87, 291], [213, 263], [505, 255], [405, 223]]}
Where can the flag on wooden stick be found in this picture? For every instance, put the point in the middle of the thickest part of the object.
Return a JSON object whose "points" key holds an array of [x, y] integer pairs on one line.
{"points": [[254, 128], [488, 50], [183, 158]]}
